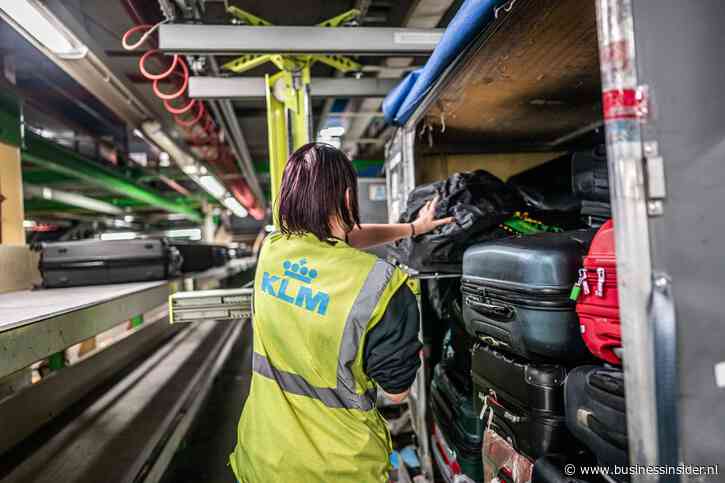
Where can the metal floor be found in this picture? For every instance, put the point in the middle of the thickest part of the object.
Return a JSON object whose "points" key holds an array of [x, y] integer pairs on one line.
{"points": [[204, 453]]}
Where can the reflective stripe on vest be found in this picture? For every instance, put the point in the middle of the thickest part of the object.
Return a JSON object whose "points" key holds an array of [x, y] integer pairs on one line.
{"points": [[344, 395]]}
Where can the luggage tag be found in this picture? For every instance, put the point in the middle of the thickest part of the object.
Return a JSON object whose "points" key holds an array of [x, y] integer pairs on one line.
{"points": [[601, 275], [580, 284]]}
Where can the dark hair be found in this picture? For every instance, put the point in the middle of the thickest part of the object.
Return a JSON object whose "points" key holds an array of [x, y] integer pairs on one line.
{"points": [[313, 189]]}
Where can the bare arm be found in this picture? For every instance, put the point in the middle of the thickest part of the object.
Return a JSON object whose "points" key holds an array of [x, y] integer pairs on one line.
{"points": [[370, 235]]}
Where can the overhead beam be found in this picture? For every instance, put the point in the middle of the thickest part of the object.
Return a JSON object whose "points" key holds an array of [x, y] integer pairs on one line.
{"points": [[253, 87], [235, 39], [51, 156]]}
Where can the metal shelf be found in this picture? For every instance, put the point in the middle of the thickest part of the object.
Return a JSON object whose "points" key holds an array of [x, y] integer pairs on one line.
{"points": [[37, 323]]}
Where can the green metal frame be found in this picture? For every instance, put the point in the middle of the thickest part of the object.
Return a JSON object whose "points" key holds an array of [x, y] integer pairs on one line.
{"points": [[11, 116], [55, 158]]}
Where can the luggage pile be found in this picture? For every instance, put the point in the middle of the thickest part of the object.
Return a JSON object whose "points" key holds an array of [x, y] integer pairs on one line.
{"points": [[98, 262], [517, 392]]}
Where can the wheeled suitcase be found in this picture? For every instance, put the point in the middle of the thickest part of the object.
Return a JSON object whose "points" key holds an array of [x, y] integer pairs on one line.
{"points": [[197, 256], [551, 470], [459, 425], [502, 462], [97, 262], [598, 298], [596, 412], [525, 401], [516, 294]]}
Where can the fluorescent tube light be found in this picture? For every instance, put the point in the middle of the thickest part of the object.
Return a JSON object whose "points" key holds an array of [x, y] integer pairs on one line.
{"points": [[29, 224], [40, 24], [191, 233], [213, 186], [119, 235], [235, 207], [332, 132]]}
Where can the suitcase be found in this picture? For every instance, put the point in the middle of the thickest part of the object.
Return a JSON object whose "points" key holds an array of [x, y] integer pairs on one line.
{"points": [[595, 213], [596, 413], [457, 346], [502, 462], [590, 176], [197, 256], [516, 294], [220, 255], [525, 401], [598, 298], [96, 262], [459, 426]]}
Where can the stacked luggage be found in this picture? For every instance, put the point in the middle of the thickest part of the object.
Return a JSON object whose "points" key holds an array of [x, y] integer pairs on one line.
{"points": [[201, 256], [516, 304], [590, 183]]}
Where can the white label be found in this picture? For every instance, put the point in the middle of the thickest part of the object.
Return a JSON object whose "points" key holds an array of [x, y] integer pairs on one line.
{"points": [[720, 374], [417, 37]]}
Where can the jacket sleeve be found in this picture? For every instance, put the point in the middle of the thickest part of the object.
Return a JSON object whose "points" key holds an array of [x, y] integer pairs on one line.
{"points": [[391, 354]]}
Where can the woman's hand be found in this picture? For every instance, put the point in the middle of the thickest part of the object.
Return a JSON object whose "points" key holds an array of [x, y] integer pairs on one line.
{"points": [[426, 220]]}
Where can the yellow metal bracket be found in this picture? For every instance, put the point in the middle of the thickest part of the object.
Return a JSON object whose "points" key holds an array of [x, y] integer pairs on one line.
{"points": [[288, 101]]}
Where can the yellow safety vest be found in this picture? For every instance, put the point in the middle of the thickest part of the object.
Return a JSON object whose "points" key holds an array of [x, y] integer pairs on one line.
{"points": [[310, 415]]}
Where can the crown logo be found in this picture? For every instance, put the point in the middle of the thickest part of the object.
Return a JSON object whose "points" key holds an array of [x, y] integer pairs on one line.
{"points": [[299, 271]]}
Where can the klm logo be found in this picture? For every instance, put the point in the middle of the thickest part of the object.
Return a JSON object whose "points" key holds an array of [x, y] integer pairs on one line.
{"points": [[304, 296]]}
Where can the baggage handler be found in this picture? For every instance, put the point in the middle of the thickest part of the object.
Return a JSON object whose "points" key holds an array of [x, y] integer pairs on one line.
{"points": [[331, 325]]}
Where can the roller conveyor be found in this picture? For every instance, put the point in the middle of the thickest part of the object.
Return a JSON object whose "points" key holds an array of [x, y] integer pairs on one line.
{"points": [[135, 426]]}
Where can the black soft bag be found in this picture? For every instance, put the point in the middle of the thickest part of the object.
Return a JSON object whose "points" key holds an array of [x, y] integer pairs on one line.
{"points": [[527, 401], [548, 187], [98, 262], [478, 201], [596, 412], [516, 295]]}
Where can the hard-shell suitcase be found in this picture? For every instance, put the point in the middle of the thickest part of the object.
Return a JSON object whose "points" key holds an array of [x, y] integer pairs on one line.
{"points": [[97, 262], [516, 294], [598, 298], [457, 346], [458, 423], [525, 401], [197, 256], [596, 412], [501, 460], [451, 464]]}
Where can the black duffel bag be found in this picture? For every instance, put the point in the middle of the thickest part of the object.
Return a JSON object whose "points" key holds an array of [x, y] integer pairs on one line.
{"points": [[478, 201]]}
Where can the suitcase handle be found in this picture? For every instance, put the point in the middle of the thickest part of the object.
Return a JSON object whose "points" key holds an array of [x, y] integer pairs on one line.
{"points": [[499, 312]]}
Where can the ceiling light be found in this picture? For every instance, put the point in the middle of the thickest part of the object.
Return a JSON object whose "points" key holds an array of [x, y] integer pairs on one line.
{"points": [[332, 132], [70, 198], [29, 224], [213, 186], [35, 20], [191, 233], [235, 207], [119, 235]]}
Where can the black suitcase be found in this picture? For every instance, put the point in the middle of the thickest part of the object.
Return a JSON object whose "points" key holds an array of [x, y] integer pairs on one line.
{"points": [[527, 401], [96, 262], [455, 415], [595, 213], [551, 470], [201, 256], [590, 175], [197, 256], [516, 294], [596, 412], [457, 346]]}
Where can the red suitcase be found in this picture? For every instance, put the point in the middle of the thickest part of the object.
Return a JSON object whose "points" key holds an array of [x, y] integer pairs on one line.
{"points": [[598, 302]]}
